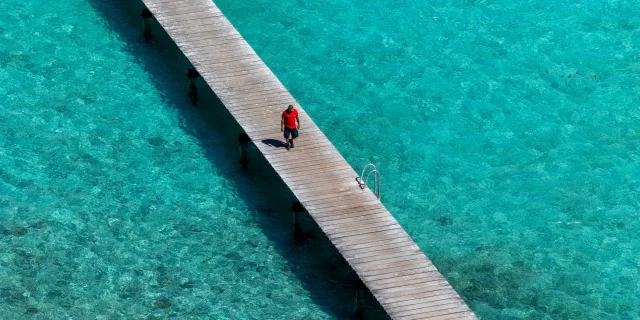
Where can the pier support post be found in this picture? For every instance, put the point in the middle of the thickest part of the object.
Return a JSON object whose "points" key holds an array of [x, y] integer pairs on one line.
{"points": [[358, 311], [244, 140], [297, 207], [146, 23], [193, 76]]}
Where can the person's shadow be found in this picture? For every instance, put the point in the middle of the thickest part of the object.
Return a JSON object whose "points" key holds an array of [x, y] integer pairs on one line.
{"points": [[274, 143]]}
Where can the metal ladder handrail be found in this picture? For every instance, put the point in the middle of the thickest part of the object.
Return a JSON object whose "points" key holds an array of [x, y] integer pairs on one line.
{"points": [[376, 179]]}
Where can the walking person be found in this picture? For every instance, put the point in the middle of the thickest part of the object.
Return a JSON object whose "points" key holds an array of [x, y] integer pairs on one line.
{"points": [[290, 124]]}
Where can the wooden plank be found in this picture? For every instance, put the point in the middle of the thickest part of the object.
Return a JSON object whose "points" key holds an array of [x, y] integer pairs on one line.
{"points": [[227, 61], [330, 188], [322, 174], [399, 275], [437, 303], [360, 222], [327, 208], [311, 158], [218, 48], [354, 253], [296, 168], [315, 153], [260, 99], [255, 96], [363, 235], [328, 218], [314, 179], [367, 244], [225, 73], [169, 3], [396, 274], [182, 29], [226, 70], [381, 235], [272, 103], [385, 261], [321, 208], [418, 304], [336, 215], [334, 186], [391, 273], [207, 66], [212, 35], [369, 211], [366, 222], [273, 110], [436, 308], [390, 267], [256, 77], [416, 298], [307, 150], [332, 196], [363, 217], [405, 282], [195, 19], [302, 166], [277, 161], [307, 141], [398, 294], [269, 127], [349, 233], [370, 230], [384, 258], [189, 14]]}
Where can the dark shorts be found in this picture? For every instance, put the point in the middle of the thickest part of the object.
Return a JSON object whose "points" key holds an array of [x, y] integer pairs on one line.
{"points": [[293, 132]]}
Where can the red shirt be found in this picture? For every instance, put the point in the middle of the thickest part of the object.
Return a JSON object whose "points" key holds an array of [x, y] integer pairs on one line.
{"points": [[290, 119]]}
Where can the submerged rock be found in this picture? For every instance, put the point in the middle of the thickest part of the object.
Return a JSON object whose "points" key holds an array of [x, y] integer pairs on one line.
{"points": [[163, 303], [32, 310], [233, 255], [444, 220], [16, 231], [157, 141], [37, 225], [187, 284]]}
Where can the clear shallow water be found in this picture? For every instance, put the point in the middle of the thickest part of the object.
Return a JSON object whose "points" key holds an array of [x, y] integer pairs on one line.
{"points": [[118, 200], [507, 134]]}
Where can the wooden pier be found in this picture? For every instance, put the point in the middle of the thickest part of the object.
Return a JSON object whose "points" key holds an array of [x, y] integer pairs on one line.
{"points": [[388, 262]]}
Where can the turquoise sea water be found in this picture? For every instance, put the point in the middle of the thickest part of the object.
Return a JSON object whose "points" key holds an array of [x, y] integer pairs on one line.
{"points": [[118, 200], [507, 133]]}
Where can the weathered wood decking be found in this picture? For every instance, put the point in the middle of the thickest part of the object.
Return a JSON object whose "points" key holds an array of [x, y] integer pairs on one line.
{"points": [[387, 260]]}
